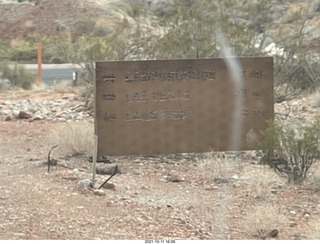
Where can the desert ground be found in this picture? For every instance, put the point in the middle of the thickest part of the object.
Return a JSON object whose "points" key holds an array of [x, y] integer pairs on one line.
{"points": [[225, 195]]}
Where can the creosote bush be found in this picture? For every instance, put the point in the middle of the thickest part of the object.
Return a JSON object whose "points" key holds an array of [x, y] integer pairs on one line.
{"points": [[288, 152], [18, 76]]}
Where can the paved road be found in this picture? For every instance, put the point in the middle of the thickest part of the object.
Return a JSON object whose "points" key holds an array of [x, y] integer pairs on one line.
{"points": [[55, 73]]}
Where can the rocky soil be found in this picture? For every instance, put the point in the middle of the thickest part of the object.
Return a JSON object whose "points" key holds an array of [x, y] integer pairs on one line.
{"points": [[63, 108], [186, 196]]}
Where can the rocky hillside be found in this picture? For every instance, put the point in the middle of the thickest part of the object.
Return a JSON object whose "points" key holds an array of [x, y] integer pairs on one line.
{"points": [[17, 21], [47, 17]]}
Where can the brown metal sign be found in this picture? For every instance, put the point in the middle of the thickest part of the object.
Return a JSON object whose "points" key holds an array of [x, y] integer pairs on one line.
{"points": [[176, 106]]}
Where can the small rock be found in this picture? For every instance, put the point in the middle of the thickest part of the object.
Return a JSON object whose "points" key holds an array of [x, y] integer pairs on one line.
{"points": [[15, 113], [210, 187], [168, 161], [99, 192], [274, 233], [75, 170], [4, 112], [71, 116], [221, 180], [61, 120], [159, 166], [24, 115], [109, 186], [107, 170], [236, 184], [235, 177], [7, 102], [293, 212], [79, 109], [39, 117], [31, 110], [84, 183], [8, 118], [174, 178]]}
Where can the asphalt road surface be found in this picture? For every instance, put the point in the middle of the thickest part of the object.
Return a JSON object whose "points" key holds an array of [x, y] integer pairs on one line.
{"points": [[55, 73]]}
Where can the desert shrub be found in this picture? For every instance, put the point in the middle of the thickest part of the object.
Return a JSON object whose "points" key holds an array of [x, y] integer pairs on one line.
{"points": [[265, 221], [74, 138], [18, 76], [5, 50], [216, 167], [288, 152], [26, 52], [84, 25], [260, 181]]}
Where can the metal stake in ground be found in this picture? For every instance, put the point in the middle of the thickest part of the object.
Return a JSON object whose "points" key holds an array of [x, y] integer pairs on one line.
{"points": [[51, 161], [113, 174], [94, 158]]}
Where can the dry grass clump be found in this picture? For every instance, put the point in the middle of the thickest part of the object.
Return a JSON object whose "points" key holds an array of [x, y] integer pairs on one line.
{"points": [[61, 87], [261, 180], [74, 138], [265, 221], [216, 166]]}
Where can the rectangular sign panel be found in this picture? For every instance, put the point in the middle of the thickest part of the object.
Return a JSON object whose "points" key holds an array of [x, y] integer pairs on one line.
{"points": [[176, 106]]}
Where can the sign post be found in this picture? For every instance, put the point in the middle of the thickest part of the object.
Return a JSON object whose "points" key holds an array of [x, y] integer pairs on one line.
{"points": [[94, 160], [39, 45], [178, 106]]}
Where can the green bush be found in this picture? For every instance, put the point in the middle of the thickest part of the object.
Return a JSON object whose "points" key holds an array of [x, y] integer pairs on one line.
{"points": [[289, 153], [26, 52], [18, 76]]}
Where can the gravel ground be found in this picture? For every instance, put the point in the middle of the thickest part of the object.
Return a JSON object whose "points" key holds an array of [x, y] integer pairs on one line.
{"points": [[187, 196]]}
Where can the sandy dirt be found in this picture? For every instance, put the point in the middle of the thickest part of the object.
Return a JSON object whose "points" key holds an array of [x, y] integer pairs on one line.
{"points": [[187, 196]]}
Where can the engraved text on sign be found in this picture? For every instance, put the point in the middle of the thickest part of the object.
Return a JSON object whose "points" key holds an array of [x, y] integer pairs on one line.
{"points": [[175, 106]]}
